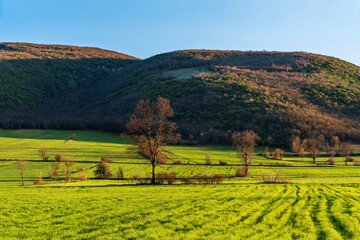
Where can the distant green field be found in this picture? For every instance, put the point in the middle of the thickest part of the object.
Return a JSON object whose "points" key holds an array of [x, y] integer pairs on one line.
{"points": [[90, 146], [318, 203]]}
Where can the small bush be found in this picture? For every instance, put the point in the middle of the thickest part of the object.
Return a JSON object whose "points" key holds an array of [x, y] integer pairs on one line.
{"points": [[271, 177], [223, 163], [120, 173], [137, 178], [82, 176], [161, 177], [106, 158], [356, 163], [208, 159], [348, 159], [43, 153], [103, 170], [39, 179], [207, 178], [278, 154], [59, 158], [171, 178], [267, 153], [55, 170], [241, 172], [331, 161], [67, 170], [219, 178], [177, 162]]}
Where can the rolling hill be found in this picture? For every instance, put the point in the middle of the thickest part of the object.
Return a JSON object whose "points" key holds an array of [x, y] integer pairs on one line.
{"points": [[213, 93]]}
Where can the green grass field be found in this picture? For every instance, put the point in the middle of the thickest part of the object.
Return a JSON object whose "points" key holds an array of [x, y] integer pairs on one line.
{"points": [[317, 203]]}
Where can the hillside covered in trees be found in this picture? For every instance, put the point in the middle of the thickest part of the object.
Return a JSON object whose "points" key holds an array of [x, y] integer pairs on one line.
{"points": [[213, 93]]}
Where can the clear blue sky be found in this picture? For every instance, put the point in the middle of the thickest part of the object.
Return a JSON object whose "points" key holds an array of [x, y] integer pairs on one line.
{"points": [[143, 28]]}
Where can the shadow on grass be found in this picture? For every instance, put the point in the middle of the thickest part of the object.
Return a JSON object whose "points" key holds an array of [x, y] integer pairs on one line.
{"points": [[63, 135]]}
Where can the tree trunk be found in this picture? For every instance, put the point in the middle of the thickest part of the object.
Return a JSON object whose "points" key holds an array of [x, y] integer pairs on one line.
{"points": [[313, 159], [153, 173], [22, 178]]}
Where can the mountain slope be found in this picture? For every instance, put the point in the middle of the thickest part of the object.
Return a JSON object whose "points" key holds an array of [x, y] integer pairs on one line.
{"points": [[276, 94], [31, 74], [213, 93]]}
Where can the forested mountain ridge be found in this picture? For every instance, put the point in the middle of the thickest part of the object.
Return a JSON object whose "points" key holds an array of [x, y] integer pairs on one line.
{"points": [[213, 93], [30, 74]]}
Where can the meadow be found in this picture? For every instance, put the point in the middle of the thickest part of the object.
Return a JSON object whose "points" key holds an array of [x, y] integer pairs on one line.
{"points": [[317, 203]]}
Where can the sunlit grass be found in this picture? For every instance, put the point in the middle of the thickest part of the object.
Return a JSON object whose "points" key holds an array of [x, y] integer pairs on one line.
{"points": [[318, 203]]}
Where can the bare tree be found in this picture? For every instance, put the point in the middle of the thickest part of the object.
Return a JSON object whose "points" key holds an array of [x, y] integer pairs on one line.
{"points": [[345, 149], [151, 127], [245, 143], [314, 145], [21, 166], [67, 170], [295, 143], [335, 143], [55, 169], [43, 153]]}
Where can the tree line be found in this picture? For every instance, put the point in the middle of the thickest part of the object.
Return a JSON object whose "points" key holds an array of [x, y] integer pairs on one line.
{"points": [[149, 130]]}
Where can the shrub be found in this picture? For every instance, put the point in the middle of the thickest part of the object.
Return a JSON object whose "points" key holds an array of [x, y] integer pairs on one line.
{"points": [[208, 159], [120, 173], [240, 172], [207, 178], [103, 170], [43, 153], [67, 171], [356, 163], [267, 153], [223, 163], [137, 178], [348, 159], [106, 158], [39, 179], [219, 178], [161, 177], [177, 162], [59, 158], [82, 176], [271, 177], [278, 154], [171, 178], [55, 170], [331, 161]]}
